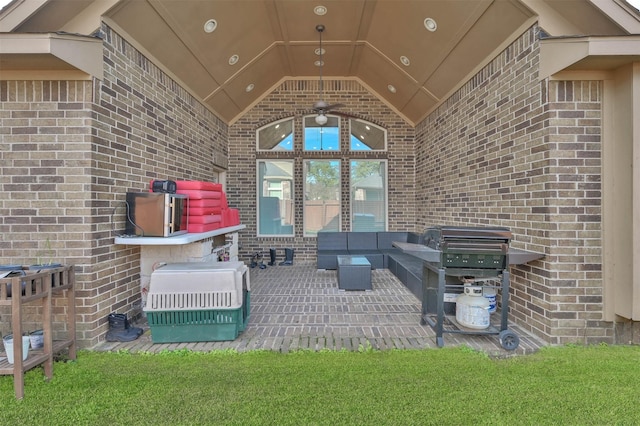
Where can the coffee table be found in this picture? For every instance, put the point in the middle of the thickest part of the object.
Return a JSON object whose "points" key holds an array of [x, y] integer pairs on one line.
{"points": [[354, 273]]}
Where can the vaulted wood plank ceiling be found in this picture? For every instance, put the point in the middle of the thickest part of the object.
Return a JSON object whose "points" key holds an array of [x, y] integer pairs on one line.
{"points": [[411, 53]]}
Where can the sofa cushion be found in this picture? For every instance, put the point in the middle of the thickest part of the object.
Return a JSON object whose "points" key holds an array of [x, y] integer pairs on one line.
{"points": [[362, 241], [331, 241], [386, 239], [415, 238], [328, 259]]}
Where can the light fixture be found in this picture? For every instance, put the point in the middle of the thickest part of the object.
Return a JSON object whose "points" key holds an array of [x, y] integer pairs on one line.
{"points": [[320, 10], [430, 24], [210, 26], [249, 87], [391, 88], [321, 119], [321, 107], [405, 61], [233, 59]]}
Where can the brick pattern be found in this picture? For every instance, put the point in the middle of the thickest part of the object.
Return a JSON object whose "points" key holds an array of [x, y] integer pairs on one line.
{"points": [[506, 149], [295, 98], [509, 150], [70, 152], [301, 308], [45, 208]]}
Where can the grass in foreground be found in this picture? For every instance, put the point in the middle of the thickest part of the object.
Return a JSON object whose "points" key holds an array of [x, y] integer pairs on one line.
{"points": [[450, 386]]}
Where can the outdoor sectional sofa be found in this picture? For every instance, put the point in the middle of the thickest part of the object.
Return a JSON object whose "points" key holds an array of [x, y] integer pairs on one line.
{"points": [[378, 248]]}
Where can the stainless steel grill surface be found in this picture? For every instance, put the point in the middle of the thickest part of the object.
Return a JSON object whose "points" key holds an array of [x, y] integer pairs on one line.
{"points": [[470, 251]]}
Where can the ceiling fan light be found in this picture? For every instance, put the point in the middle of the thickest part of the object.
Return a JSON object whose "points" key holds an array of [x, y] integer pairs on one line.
{"points": [[430, 24], [321, 119], [320, 10], [210, 26]]}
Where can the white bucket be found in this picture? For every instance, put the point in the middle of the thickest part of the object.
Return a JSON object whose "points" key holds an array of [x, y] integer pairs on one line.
{"points": [[37, 339], [491, 294], [8, 347]]}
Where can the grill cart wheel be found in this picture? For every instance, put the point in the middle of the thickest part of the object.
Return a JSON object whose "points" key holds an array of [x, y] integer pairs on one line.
{"points": [[509, 340]]}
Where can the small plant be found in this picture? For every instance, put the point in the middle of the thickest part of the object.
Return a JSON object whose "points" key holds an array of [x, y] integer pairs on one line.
{"points": [[45, 257]]}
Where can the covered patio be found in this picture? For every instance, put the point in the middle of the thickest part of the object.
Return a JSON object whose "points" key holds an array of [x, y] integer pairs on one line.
{"points": [[300, 307]]}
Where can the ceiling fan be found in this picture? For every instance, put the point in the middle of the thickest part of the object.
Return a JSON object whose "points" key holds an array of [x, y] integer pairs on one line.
{"points": [[321, 107]]}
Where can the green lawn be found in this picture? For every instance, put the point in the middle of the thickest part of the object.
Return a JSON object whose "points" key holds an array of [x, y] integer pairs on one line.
{"points": [[571, 385]]}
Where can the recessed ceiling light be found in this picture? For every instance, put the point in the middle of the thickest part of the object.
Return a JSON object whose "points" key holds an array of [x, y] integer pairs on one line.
{"points": [[320, 10], [405, 61], [391, 88], [318, 63], [233, 59], [430, 24], [210, 26], [319, 51], [249, 88]]}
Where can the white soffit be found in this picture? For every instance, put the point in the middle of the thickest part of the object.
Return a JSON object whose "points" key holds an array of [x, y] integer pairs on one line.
{"points": [[50, 51], [587, 53], [17, 12]]}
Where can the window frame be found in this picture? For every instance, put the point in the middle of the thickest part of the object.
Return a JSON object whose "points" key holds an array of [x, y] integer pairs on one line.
{"points": [[385, 164], [276, 123], [305, 169], [373, 125], [259, 194], [304, 133]]}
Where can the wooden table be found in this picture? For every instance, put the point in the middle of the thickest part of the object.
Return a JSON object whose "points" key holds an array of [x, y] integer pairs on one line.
{"points": [[32, 287]]}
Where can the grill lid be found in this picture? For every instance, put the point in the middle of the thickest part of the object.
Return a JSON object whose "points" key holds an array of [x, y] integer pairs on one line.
{"points": [[436, 236]]}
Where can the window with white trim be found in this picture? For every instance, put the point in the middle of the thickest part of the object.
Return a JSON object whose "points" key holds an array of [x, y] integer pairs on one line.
{"points": [[322, 204], [324, 137], [368, 191], [276, 136], [275, 197]]}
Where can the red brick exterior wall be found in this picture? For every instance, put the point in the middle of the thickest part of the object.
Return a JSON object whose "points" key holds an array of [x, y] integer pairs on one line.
{"points": [[510, 150], [506, 149], [295, 98], [72, 149]]}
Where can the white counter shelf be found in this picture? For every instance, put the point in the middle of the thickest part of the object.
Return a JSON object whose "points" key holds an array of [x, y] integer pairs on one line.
{"points": [[178, 239]]}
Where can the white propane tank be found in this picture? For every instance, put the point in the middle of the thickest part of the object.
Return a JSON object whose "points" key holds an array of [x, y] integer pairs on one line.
{"points": [[472, 308], [491, 295]]}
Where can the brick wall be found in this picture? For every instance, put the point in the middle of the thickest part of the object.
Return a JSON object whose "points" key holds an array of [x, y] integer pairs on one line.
{"points": [[510, 150], [295, 98], [71, 150], [45, 207], [506, 149]]}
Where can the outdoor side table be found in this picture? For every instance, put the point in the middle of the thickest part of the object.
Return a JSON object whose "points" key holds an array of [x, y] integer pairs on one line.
{"points": [[354, 273]]}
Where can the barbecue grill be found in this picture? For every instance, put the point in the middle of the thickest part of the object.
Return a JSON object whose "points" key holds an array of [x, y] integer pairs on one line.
{"points": [[467, 255]]}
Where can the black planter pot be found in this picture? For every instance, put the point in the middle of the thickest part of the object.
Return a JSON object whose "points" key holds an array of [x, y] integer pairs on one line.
{"points": [[38, 268], [13, 270]]}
